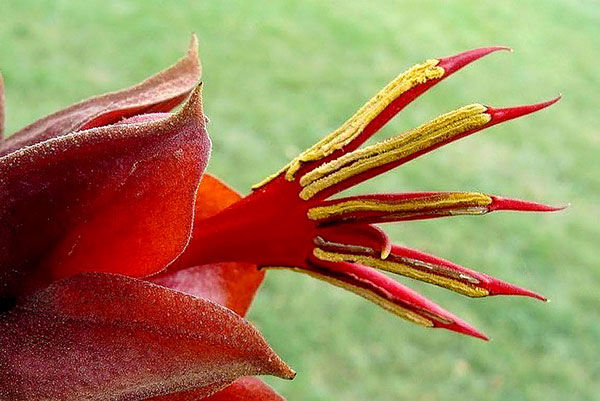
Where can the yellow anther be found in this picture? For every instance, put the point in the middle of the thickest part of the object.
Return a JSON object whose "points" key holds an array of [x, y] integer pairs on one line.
{"points": [[437, 274], [427, 135], [268, 178], [348, 131], [370, 296], [450, 203]]}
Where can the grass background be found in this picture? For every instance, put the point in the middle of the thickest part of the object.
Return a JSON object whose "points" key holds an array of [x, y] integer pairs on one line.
{"points": [[280, 75]]}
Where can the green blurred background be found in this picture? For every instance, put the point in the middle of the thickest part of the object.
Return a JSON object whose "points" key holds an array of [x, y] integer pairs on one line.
{"points": [[280, 75]]}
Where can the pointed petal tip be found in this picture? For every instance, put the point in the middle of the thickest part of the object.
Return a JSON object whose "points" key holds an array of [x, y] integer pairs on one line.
{"points": [[192, 53], [193, 104], [483, 337], [508, 113], [453, 63], [514, 290], [500, 203], [462, 327], [499, 287], [278, 367], [535, 295], [284, 371], [193, 41], [291, 375], [193, 49]]}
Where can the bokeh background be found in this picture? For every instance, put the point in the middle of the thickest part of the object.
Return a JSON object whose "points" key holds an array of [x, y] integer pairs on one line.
{"points": [[280, 75]]}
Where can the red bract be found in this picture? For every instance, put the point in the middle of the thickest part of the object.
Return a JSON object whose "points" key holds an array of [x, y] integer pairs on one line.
{"points": [[103, 336], [92, 200], [114, 248], [161, 92]]}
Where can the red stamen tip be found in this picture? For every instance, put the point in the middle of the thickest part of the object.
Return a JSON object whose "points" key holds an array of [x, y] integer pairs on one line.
{"points": [[503, 114], [503, 288], [463, 327], [453, 63], [499, 203]]}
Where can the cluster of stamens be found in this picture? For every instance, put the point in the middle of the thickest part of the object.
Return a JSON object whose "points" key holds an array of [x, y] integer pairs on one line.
{"points": [[345, 248]]}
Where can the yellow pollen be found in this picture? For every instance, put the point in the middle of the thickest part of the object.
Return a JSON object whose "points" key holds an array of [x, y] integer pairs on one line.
{"points": [[426, 136], [410, 268], [368, 295], [450, 203], [352, 128]]}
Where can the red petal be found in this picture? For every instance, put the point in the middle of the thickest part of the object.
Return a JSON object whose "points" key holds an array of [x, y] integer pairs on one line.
{"points": [[104, 336], [116, 199], [354, 244], [493, 285], [230, 284], [393, 101], [160, 92], [518, 205]]}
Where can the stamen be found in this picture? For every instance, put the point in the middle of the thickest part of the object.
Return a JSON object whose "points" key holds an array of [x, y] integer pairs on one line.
{"points": [[418, 270], [416, 75], [437, 131], [453, 203], [348, 131], [321, 243], [372, 296], [387, 293], [382, 107]]}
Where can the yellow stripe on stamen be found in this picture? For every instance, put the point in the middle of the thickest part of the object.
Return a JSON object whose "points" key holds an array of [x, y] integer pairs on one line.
{"points": [[370, 296], [449, 203], [427, 135], [348, 131], [407, 267]]}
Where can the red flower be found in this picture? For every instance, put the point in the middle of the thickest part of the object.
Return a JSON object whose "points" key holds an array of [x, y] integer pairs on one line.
{"points": [[113, 244]]}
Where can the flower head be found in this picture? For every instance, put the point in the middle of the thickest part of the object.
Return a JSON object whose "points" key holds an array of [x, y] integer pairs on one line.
{"points": [[125, 270]]}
